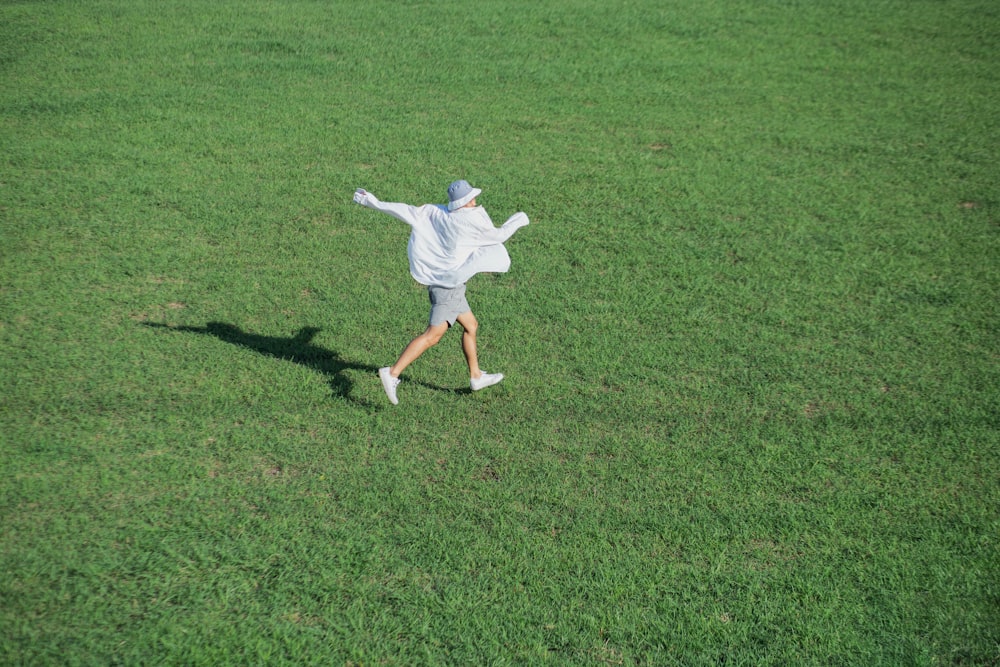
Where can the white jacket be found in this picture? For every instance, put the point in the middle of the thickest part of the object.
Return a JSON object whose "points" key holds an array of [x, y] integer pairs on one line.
{"points": [[447, 248]]}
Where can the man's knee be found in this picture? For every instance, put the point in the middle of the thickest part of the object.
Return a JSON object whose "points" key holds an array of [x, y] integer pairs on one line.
{"points": [[433, 335], [469, 323]]}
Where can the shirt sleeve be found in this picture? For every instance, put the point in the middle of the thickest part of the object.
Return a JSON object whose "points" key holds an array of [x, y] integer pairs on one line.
{"points": [[481, 232], [404, 212]]}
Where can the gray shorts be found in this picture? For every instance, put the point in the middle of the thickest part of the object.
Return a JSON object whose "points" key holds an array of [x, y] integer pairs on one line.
{"points": [[447, 303]]}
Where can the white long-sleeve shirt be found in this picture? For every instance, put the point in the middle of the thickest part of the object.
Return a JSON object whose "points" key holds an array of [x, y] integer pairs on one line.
{"points": [[447, 248]]}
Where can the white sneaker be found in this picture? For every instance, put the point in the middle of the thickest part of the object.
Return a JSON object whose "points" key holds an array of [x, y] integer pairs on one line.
{"points": [[486, 380], [389, 383]]}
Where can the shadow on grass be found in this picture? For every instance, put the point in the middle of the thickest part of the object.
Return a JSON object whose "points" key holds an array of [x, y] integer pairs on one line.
{"points": [[298, 348]]}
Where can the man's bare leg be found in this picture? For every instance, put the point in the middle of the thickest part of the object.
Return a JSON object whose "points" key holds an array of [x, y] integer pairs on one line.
{"points": [[477, 378], [425, 341], [470, 326]]}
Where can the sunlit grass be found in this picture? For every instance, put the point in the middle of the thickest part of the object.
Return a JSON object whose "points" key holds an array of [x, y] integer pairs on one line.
{"points": [[750, 412]]}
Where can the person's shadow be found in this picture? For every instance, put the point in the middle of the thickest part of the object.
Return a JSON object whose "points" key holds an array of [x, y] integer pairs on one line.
{"points": [[298, 348]]}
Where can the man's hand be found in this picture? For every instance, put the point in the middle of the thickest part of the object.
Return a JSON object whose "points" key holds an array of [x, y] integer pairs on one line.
{"points": [[361, 196]]}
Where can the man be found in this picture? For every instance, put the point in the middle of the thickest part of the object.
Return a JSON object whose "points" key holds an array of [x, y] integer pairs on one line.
{"points": [[447, 246]]}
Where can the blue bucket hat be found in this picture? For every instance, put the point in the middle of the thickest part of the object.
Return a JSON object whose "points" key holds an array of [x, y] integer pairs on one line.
{"points": [[461, 193]]}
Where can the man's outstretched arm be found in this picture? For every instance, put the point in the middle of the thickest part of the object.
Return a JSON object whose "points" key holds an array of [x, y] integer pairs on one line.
{"points": [[404, 212]]}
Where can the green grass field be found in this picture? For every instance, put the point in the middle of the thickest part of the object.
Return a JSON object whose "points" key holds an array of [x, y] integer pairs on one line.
{"points": [[750, 337]]}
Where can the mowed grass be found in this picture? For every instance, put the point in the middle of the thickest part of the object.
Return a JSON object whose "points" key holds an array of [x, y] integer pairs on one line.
{"points": [[750, 337]]}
